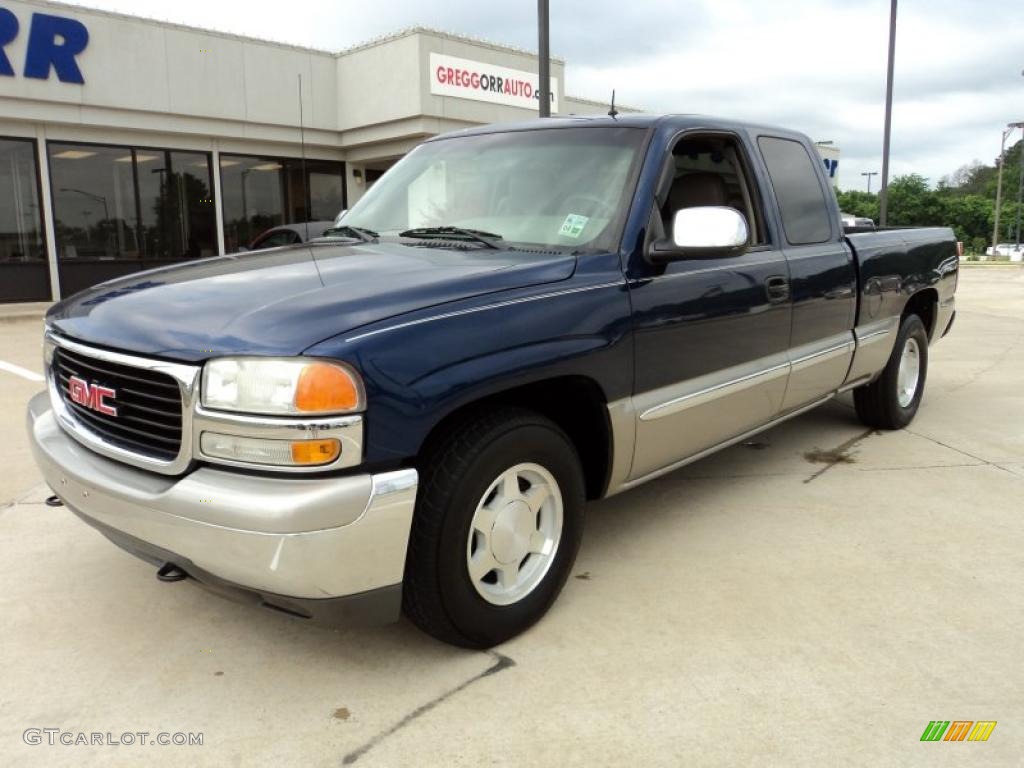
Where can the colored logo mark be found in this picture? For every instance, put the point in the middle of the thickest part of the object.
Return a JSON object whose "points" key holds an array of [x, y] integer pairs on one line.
{"points": [[958, 730]]}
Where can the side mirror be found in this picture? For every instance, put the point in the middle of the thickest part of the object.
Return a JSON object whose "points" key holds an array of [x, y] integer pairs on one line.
{"points": [[707, 231]]}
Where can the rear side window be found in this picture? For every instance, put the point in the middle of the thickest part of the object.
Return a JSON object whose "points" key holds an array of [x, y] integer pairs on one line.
{"points": [[805, 212]]}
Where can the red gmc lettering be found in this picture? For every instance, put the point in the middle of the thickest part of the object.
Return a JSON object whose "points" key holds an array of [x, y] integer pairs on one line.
{"points": [[92, 397]]}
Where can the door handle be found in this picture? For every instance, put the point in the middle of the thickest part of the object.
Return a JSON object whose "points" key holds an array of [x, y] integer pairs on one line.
{"points": [[776, 287]]}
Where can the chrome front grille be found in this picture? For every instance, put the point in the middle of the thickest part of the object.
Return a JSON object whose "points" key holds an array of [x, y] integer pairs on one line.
{"points": [[153, 400], [146, 416]]}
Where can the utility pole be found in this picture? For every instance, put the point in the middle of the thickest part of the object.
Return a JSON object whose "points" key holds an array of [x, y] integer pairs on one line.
{"points": [[869, 174], [883, 202], [999, 189], [544, 60]]}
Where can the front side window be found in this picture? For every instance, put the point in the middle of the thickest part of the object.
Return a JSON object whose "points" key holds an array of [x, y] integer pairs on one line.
{"points": [[713, 171], [548, 187]]}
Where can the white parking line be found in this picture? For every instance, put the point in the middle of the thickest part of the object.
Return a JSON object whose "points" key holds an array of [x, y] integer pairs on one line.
{"points": [[17, 370]]}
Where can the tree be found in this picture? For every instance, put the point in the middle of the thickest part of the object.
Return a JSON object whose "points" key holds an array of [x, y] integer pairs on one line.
{"points": [[859, 203], [963, 200]]}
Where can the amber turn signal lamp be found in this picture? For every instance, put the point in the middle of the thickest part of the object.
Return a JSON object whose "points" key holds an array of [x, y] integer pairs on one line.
{"points": [[308, 452], [323, 387]]}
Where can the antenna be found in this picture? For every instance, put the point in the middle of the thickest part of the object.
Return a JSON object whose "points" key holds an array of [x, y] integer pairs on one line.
{"points": [[613, 112], [305, 176]]}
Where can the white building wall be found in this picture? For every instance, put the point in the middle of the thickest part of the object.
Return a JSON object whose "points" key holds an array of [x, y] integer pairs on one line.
{"points": [[154, 84]]}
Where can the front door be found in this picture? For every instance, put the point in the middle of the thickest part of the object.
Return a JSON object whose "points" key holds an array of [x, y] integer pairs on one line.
{"points": [[711, 334]]}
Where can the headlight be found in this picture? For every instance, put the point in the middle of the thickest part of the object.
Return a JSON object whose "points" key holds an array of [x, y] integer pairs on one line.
{"points": [[293, 386]]}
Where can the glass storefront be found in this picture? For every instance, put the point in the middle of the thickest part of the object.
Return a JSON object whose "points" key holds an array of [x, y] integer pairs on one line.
{"points": [[24, 272], [263, 192], [121, 209]]}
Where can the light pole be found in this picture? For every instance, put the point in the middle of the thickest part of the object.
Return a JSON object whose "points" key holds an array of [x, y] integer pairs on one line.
{"points": [[91, 196], [106, 210], [1020, 183], [543, 61], [999, 183], [869, 174], [883, 202]]}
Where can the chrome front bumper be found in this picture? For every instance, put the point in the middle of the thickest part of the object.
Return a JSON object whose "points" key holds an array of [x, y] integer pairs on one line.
{"points": [[299, 537]]}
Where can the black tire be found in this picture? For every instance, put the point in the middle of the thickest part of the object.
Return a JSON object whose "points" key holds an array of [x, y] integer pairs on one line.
{"points": [[878, 403], [438, 594]]}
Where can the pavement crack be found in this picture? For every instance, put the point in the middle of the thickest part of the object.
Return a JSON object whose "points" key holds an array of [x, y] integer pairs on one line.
{"points": [[838, 455], [501, 662], [926, 466], [1000, 359], [961, 451]]}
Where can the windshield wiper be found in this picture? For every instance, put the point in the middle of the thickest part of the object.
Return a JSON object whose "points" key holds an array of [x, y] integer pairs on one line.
{"points": [[490, 239], [360, 233]]}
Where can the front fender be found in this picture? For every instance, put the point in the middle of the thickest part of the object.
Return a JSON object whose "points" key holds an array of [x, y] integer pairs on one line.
{"points": [[419, 369]]}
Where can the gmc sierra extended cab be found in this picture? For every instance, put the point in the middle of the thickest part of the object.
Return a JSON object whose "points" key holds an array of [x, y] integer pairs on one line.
{"points": [[410, 416]]}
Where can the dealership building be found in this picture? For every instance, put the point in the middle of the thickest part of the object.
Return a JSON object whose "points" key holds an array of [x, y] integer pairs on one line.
{"points": [[127, 143]]}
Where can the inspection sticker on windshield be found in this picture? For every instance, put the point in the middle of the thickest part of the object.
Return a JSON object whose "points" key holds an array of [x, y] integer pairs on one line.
{"points": [[573, 225]]}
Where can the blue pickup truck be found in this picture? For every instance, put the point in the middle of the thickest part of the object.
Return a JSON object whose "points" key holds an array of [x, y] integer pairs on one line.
{"points": [[410, 415]]}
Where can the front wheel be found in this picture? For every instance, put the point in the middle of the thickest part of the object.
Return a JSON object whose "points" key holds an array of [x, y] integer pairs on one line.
{"points": [[891, 401], [496, 530]]}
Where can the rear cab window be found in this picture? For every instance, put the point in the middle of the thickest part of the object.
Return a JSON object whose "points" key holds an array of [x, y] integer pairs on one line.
{"points": [[806, 216]]}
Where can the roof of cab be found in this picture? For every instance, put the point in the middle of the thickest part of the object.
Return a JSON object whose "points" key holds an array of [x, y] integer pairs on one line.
{"points": [[631, 120]]}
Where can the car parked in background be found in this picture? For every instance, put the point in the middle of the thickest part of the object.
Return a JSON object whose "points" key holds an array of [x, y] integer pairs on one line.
{"points": [[849, 220], [289, 234], [1011, 251]]}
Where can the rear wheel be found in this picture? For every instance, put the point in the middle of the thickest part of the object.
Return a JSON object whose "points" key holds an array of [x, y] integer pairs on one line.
{"points": [[496, 530], [892, 400]]}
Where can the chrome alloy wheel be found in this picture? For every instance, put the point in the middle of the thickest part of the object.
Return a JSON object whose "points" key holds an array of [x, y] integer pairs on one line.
{"points": [[909, 373], [514, 535]]}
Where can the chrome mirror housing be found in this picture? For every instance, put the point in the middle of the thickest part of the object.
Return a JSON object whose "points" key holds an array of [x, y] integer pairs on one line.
{"points": [[706, 231], [709, 227]]}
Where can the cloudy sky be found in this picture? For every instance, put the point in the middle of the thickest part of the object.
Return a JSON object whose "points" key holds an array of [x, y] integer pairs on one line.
{"points": [[814, 65]]}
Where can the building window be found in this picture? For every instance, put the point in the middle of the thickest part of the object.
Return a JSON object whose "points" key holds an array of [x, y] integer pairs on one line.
{"points": [[264, 192], [24, 273], [118, 210]]}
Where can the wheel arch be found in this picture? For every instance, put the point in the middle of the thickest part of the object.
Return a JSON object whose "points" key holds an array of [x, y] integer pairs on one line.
{"points": [[924, 303], [576, 403]]}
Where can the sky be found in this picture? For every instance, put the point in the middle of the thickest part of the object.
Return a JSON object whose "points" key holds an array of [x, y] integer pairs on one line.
{"points": [[818, 66]]}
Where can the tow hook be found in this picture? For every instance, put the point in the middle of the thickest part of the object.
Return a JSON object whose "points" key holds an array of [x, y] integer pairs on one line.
{"points": [[54, 501], [171, 572]]}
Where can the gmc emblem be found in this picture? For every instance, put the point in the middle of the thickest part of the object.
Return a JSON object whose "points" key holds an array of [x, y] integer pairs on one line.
{"points": [[92, 397]]}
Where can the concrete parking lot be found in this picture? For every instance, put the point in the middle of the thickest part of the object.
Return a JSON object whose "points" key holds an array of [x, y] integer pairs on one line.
{"points": [[814, 597]]}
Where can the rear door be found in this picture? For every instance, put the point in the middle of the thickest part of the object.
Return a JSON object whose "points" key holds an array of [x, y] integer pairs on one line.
{"points": [[711, 334], [823, 280]]}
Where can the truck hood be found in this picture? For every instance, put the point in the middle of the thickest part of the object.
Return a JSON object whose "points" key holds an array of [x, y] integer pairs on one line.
{"points": [[282, 301]]}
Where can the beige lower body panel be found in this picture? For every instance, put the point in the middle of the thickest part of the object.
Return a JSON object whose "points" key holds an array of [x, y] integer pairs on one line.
{"points": [[817, 369], [684, 419], [661, 430], [874, 345]]}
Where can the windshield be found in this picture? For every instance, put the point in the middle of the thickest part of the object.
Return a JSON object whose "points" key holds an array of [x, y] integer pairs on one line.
{"points": [[562, 187]]}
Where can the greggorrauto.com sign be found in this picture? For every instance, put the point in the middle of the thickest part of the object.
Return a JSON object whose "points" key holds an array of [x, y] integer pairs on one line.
{"points": [[465, 79]]}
